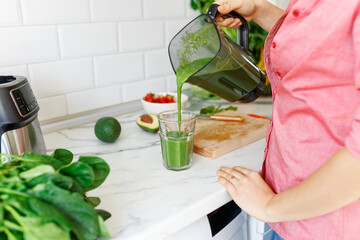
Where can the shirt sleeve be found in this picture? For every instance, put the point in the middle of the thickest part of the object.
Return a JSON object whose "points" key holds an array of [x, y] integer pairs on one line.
{"points": [[352, 143]]}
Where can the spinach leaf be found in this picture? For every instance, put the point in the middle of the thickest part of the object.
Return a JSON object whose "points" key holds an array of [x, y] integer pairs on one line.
{"points": [[63, 155], [103, 214], [9, 235], [58, 179], [100, 167], [81, 172], [37, 171], [94, 201], [1, 214], [40, 231], [34, 229], [42, 159], [81, 214], [103, 230]]}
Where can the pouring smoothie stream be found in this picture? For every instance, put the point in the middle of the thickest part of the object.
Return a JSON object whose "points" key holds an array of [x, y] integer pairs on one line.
{"points": [[182, 75], [177, 137]]}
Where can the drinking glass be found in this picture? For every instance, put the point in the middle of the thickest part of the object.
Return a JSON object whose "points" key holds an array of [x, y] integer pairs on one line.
{"points": [[177, 138]]}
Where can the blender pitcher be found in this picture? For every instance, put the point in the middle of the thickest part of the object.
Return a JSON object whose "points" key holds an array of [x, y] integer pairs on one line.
{"points": [[203, 54]]}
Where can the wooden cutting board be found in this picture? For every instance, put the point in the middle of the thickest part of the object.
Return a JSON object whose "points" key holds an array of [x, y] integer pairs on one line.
{"points": [[215, 138]]}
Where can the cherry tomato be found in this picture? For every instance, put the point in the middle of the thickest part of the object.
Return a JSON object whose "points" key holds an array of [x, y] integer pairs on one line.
{"points": [[150, 97]]}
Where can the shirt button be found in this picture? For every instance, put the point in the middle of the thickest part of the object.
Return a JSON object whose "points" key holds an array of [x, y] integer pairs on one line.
{"points": [[274, 45], [295, 13]]}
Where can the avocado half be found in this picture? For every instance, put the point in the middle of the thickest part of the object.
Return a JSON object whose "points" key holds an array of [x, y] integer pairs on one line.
{"points": [[148, 122]]}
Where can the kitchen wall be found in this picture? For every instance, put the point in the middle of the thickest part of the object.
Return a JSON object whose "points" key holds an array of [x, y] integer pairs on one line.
{"points": [[81, 55]]}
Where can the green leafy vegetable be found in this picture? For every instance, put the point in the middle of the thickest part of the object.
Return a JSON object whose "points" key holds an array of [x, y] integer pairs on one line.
{"points": [[210, 110], [81, 172], [63, 155], [43, 197], [100, 168], [37, 171]]}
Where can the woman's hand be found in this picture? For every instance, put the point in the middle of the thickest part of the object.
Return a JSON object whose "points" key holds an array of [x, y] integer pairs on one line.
{"points": [[248, 190], [245, 8], [260, 11]]}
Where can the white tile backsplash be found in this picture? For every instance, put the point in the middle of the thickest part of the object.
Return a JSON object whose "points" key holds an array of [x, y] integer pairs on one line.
{"points": [[82, 40], [191, 13], [81, 55], [56, 78], [157, 63], [20, 70], [22, 45], [117, 69], [139, 36], [10, 13], [164, 9], [52, 107], [171, 84], [116, 10], [92, 99], [55, 11], [137, 90]]}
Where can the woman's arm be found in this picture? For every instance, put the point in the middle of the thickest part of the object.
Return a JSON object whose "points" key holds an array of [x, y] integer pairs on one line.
{"points": [[332, 186], [262, 12], [267, 15]]}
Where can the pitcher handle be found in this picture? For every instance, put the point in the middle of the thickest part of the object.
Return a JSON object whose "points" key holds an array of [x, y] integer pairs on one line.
{"points": [[242, 31]]}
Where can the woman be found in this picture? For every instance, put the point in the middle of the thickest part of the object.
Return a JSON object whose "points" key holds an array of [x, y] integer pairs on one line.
{"points": [[310, 187]]}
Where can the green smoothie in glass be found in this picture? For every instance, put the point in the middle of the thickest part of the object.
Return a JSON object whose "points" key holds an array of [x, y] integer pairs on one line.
{"points": [[177, 150], [177, 146], [177, 132]]}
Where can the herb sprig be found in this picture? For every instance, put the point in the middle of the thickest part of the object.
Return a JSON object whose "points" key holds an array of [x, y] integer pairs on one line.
{"points": [[211, 110]]}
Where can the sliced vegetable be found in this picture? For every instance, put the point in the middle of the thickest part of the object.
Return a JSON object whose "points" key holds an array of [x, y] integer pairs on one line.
{"points": [[148, 122], [256, 116]]}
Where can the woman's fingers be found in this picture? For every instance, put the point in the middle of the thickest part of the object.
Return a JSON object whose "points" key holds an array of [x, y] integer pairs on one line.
{"points": [[227, 22], [235, 24], [225, 6], [237, 171], [227, 182], [228, 172], [245, 171]]}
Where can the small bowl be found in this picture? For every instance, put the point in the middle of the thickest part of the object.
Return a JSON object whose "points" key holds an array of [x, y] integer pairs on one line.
{"points": [[156, 108]]}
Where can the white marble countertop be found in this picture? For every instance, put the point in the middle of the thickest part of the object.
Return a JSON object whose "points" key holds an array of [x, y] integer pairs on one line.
{"points": [[146, 200]]}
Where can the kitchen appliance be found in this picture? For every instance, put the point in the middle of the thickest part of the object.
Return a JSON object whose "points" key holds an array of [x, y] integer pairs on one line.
{"points": [[219, 65], [19, 127]]}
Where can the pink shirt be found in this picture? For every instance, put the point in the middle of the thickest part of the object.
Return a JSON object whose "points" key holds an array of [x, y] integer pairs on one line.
{"points": [[312, 57]]}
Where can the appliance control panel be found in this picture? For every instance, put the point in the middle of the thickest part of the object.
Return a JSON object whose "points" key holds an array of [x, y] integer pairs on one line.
{"points": [[24, 100]]}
